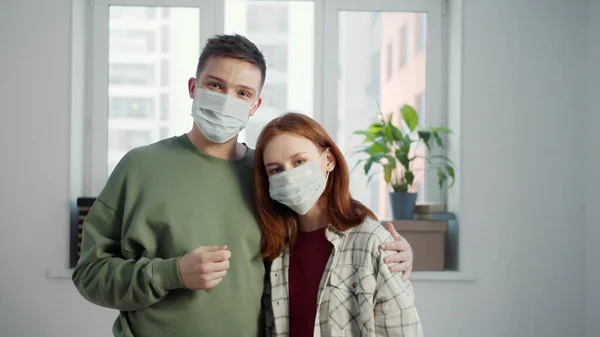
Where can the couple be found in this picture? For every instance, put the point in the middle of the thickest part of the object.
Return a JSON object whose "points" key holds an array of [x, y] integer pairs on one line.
{"points": [[288, 231]]}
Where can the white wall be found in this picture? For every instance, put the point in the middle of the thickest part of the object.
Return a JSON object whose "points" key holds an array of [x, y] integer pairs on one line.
{"points": [[592, 175], [521, 191], [521, 199], [34, 175]]}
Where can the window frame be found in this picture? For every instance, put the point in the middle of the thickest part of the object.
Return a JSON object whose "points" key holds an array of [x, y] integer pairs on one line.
{"points": [[326, 73], [435, 77], [96, 135], [403, 46]]}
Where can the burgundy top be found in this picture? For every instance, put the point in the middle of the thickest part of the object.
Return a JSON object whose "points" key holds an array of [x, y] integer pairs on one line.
{"points": [[307, 264]]}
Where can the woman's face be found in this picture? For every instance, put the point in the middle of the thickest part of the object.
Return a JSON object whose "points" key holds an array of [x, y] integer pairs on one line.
{"points": [[286, 151]]}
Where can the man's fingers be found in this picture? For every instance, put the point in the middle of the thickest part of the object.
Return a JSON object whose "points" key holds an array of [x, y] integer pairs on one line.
{"points": [[406, 274], [404, 266], [390, 228], [204, 249], [400, 244], [209, 268], [214, 276], [215, 256], [399, 257], [213, 283]]}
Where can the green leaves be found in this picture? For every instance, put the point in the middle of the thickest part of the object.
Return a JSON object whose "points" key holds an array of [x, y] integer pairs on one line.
{"points": [[388, 145], [425, 135], [410, 117], [369, 136], [387, 173], [376, 148]]}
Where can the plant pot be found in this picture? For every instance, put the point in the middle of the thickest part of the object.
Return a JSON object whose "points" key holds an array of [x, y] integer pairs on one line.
{"points": [[403, 205]]}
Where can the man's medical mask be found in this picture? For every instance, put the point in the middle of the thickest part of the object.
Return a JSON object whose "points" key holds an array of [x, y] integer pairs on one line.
{"points": [[219, 117], [299, 188]]}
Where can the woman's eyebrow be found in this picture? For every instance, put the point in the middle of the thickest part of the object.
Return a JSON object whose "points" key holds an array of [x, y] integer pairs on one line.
{"points": [[295, 155]]}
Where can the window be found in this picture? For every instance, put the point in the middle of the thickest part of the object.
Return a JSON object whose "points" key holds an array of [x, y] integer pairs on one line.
{"points": [[124, 140], [421, 28], [420, 106], [373, 89], [269, 17], [390, 61], [134, 12], [165, 39], [274, 95], [276, 57], [132, 41], [164, 133], [131, 74], [284, 32], [143, 85], [166, 13], [404, 44], [164, 73], [356, 108], [335, 60], [151, 13], [164, 107], [131, 107]]}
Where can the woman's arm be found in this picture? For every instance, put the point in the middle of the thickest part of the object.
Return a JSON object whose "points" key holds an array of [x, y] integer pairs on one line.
{"points": [[394, 310]]}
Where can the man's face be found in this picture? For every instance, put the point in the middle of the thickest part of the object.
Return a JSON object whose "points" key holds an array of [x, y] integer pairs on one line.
{"points": [[230, 76]]}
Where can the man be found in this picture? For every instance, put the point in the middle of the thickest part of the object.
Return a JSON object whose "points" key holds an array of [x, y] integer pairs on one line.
{"points": [[149, 240]]}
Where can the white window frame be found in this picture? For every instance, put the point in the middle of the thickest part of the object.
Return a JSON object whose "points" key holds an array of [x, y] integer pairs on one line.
{"points": [[212, 21], [435, 67]]}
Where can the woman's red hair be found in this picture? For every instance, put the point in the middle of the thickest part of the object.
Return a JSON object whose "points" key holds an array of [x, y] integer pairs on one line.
{"points": [[279, 224]]}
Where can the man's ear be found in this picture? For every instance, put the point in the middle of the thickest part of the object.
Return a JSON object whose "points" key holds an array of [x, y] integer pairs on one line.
{"points": [[255, 107], [192, 87]]}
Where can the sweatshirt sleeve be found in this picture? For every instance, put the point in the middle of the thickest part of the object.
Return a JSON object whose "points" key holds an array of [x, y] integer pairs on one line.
{"points": [[105, 278], [395, 311]]}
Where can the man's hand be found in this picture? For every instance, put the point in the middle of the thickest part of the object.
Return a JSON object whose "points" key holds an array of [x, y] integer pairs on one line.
{"points": [[404, 257], [204, 267]]}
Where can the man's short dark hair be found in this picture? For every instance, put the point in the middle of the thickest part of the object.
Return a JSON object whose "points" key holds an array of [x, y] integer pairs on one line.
{"points": [[235, 46]]}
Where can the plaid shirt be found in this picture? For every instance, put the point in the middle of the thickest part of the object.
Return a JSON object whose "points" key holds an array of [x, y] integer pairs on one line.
{"points": [[358, 295]]}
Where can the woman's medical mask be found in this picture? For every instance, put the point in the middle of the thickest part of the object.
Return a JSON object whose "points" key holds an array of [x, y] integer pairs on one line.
{"points": [[299, 188], [219, 117]]}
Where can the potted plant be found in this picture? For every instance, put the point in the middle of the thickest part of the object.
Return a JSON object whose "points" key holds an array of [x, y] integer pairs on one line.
{"points": [[394, 148]]}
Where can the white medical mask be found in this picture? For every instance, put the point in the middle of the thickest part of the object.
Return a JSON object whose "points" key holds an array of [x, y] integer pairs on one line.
{"points": [[219, 117], [299, 188]]}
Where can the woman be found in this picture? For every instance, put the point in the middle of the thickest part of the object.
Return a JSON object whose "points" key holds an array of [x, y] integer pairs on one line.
{"points": [[327, 276]]}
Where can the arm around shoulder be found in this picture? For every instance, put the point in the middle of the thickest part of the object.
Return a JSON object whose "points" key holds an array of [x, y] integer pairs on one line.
{"points": [[395, 311], [105, 278]]}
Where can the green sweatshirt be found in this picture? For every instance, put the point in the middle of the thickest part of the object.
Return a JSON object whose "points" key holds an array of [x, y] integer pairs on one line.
{"points": [[162, 201]]}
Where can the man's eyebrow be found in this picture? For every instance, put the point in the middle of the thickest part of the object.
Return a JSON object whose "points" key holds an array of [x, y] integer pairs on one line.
{"points": [[215, 78], [241, 86], [247, 88]]}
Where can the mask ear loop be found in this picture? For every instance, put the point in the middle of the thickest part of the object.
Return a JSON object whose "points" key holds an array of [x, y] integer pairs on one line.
{"points": [[321, 157]]}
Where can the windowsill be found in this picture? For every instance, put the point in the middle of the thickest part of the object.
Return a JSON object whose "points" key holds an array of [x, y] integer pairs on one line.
{"points": [[417, 276], [59, 273], [441, 276]]}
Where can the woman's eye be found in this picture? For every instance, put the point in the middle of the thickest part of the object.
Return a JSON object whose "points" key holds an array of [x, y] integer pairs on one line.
{"points": [[275, 171], [299, 162]]}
